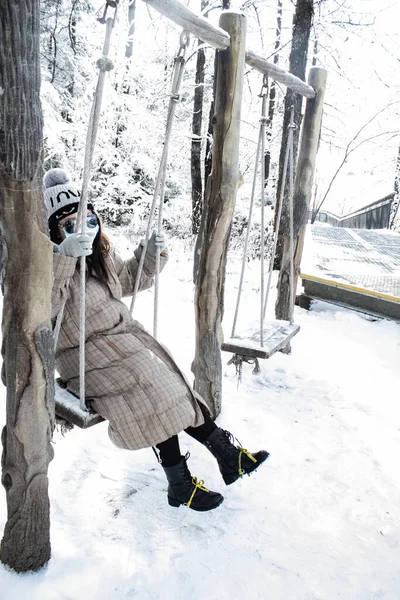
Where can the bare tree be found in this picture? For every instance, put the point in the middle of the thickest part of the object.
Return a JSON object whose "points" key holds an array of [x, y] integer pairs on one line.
{"points": [[351, 147], [272, 94], [197, 124], [28, 359], [302, 20], [207, 167]]}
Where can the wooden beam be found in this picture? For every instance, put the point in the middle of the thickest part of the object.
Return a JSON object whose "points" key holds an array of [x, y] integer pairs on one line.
{"points": [[201, 28], [192, 23], [308, 146], [278, 74], [218, 211]]}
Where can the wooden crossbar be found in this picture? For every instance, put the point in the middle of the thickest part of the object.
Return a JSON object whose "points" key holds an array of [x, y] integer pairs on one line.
{"points": [[278, 74], [201, 28], [192, 23]]}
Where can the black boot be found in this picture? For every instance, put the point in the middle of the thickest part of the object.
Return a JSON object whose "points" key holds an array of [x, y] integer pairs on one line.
{"points": [[233, 461], [187, 490]]}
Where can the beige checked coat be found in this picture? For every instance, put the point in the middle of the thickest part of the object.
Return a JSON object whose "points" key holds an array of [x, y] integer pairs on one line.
{"points": [[132, 380]]}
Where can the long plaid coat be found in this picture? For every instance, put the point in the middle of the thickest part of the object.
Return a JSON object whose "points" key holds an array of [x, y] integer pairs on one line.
{"points": [[132, 380]]}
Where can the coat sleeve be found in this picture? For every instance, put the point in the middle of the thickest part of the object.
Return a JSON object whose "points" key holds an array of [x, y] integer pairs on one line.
{"points": [[63, 269], [127, 271]]}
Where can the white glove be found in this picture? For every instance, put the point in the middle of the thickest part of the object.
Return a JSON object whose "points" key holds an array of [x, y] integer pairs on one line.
{"points": [[77, 244], [156, 243]]}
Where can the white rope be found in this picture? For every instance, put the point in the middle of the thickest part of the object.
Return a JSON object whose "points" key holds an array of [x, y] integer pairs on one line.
{"points": [[104, 64], [249, 221], [291, 233], [159, 188], [262, 208], [57, 327], [280, 206]]}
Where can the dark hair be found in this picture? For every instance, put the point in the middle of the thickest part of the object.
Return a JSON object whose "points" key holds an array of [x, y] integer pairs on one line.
{"points": [[101, 249]]}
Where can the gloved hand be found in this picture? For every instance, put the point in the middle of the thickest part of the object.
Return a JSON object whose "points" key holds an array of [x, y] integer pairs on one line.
{"points": [[156, 244], [77, 244]]}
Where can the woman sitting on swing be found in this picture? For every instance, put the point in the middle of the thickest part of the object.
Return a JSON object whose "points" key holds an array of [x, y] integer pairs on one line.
{"points": [[131, 379]]}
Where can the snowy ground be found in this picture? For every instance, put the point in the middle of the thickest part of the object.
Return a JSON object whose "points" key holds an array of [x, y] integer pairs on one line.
{"points": [[320, 520]]}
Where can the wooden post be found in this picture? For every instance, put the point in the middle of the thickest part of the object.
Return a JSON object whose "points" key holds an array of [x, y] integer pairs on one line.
{"points": [[28, 356], [218, 211], [308, 146]]}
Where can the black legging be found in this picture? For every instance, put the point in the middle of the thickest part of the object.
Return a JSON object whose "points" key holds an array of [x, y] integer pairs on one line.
{"points": [[170, 452]]}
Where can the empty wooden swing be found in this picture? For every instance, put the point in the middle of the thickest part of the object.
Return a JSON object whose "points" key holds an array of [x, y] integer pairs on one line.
{"points": [[273, 335], [73, 409]]}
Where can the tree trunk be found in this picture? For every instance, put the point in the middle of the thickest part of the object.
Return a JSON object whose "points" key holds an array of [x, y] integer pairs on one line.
{"points": [[28, 358], [302, 21], [309, 141], [197, 122], [207, 170], [209, 143], [207, 173], [218, 212], [272, 95]]}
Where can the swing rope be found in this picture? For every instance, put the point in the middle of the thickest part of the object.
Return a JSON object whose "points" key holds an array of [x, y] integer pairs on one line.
{"points": [[288, 155], [104, 64], [292, 127], [263, 122], [263, 95], [159, 188]]}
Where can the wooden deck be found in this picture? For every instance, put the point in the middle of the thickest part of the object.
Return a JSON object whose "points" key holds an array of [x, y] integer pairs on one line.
{"points": [[358, 269]]}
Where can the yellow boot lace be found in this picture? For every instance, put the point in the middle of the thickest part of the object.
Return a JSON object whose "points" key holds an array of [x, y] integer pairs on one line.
{"points": [[198, 485], [247, 453]]}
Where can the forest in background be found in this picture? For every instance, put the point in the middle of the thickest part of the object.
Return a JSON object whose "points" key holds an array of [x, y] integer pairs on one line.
{"points": [[358, 157]]}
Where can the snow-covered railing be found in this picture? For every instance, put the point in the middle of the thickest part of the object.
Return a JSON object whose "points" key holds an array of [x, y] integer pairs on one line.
{"points": [[373, 216]]}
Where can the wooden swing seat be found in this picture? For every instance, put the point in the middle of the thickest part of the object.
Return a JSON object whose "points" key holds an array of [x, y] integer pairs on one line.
{"points": [[67, 407], [277, 334]]}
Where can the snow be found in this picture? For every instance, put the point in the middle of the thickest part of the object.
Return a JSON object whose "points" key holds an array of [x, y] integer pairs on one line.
{"points": [[320, 520], [69, 401]]}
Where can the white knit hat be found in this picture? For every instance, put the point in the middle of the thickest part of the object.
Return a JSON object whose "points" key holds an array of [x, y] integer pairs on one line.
{"points": [[61, 196]]}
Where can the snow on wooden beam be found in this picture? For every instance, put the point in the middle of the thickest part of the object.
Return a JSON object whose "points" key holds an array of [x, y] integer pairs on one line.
{"points": [[280, 75], [192, 23], [219, 39]]}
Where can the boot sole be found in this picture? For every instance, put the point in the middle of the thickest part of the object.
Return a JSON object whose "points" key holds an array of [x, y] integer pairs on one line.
{"points": [[232, 477], [175, 503]]}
